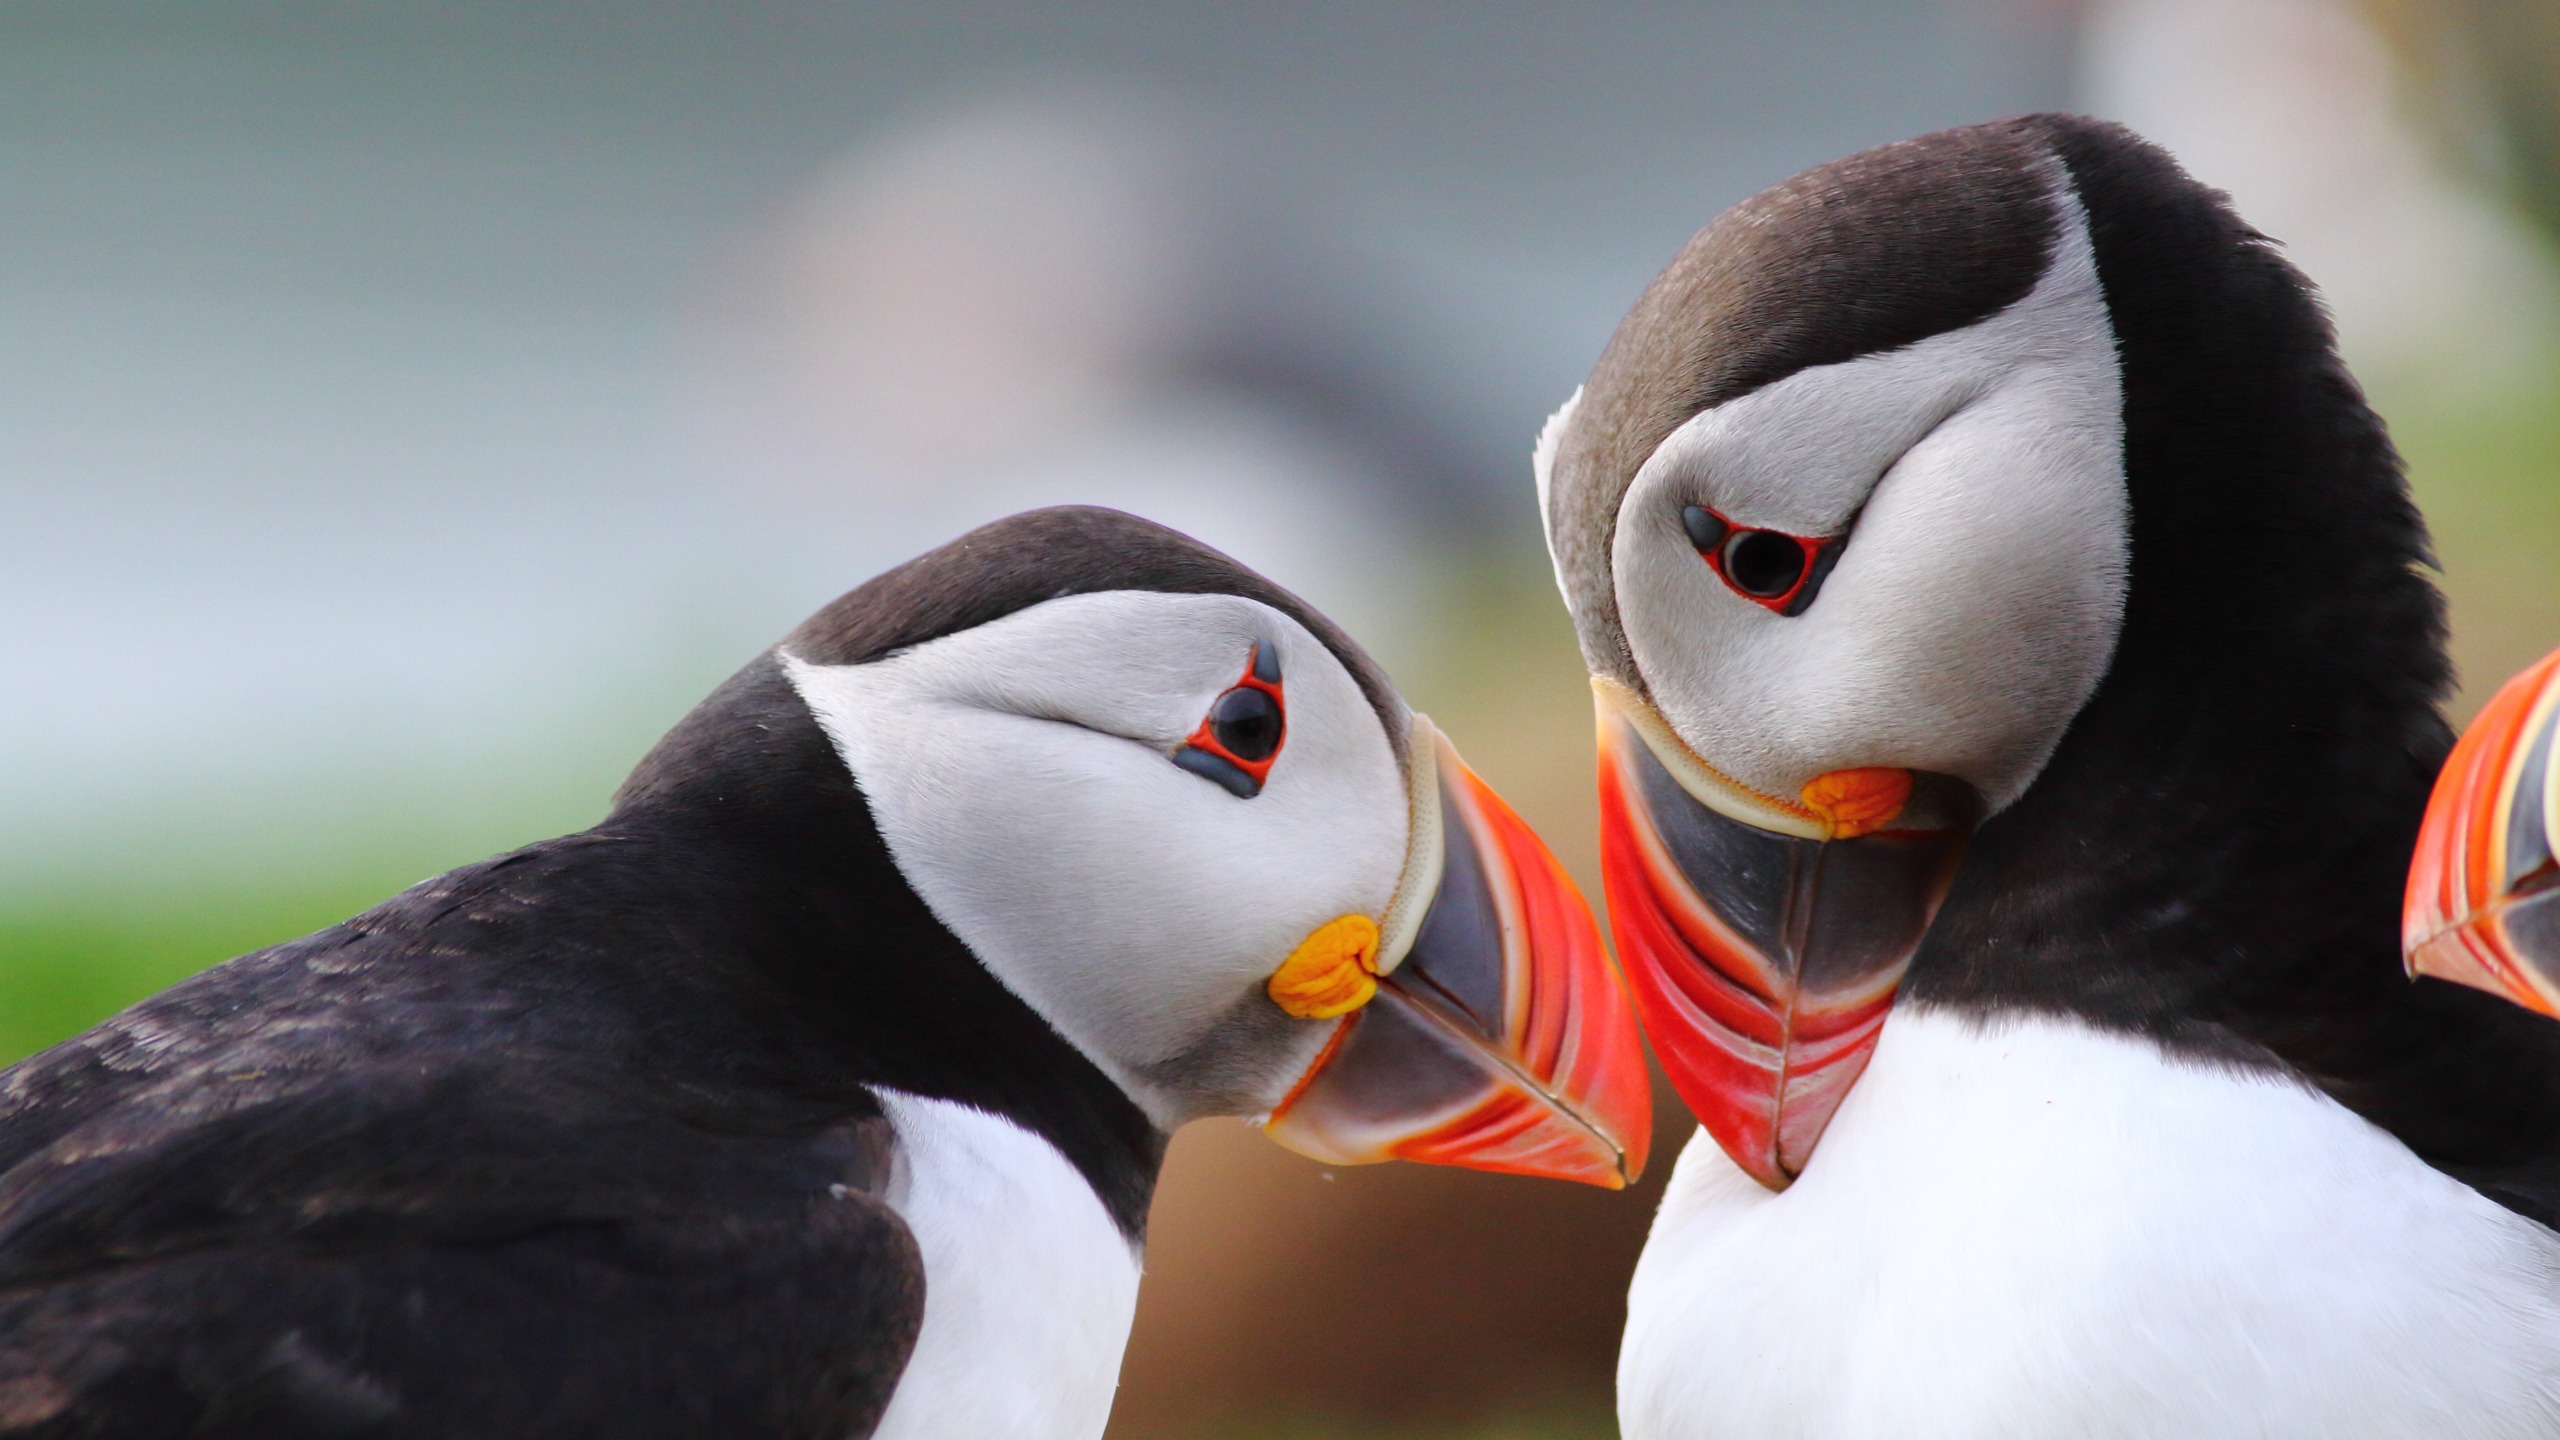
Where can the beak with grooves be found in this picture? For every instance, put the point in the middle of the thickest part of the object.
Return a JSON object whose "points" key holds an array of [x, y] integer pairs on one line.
{"points": [[1490, 1030], [1765, 939], [2483, 905]]}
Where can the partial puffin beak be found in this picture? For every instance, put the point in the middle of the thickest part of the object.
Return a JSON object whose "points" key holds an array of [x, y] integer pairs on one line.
{"points": [[2481, 907], [1485, 1027], [1765, 939]]}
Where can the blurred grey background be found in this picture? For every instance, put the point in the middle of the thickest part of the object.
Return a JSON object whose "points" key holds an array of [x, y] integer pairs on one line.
{"points": [[363, 441], [407, 411]]}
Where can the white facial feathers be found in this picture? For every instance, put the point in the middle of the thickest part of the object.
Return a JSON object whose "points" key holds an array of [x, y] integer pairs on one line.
{"points": [[1020, 774], [1542, 466], [1979, 474]]}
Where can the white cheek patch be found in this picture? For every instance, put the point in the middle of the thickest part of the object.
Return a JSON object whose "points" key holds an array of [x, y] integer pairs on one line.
{"points": [[1020, 775], [1976, 604]]}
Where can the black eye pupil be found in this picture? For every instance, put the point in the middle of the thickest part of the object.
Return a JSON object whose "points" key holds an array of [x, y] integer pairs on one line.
{"points": [[1763, 563], [1247, 722]]}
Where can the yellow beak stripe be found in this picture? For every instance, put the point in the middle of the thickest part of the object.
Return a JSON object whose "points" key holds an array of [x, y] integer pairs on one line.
{"points": [[1333, 971]]}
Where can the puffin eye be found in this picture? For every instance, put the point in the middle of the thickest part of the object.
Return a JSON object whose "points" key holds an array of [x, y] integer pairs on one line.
{"points": [[1246, 720], [1763, 564], [1238, 742], [1772, 568]]}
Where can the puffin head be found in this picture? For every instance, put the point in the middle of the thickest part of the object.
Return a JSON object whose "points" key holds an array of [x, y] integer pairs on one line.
{"points": [[1960, 536], [1185, 820]]}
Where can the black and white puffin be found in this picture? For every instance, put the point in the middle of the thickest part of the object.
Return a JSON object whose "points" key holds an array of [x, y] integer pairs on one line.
{"points": [[819, 1091], [2018, 691]]}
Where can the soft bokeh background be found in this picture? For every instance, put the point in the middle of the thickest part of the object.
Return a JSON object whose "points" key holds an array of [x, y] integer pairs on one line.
{"points": [[407, 411]]}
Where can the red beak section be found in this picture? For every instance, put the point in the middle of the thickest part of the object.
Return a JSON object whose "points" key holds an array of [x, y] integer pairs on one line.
{"points": [[2481, 907], [1501, 1040], [1764, 942]]}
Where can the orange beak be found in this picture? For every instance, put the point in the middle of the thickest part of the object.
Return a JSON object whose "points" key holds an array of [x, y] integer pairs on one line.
{"points": [[1765, 940], [1499, 1037], [2480, 909]]}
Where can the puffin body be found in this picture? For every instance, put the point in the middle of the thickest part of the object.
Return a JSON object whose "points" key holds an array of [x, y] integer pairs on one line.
{"points": [[2130, 1245], [2018, 700], [820, 1090]]}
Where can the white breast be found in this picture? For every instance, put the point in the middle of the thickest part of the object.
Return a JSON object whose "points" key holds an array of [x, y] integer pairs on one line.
{"points": [[2039, 1230], [1029, 1286]]}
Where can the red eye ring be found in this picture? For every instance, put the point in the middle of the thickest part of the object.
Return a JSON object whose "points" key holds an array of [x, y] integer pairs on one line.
{"points": [[1239, 740], [1770, 568]]}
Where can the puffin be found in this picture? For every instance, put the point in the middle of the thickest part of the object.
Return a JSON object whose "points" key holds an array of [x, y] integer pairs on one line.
{"points": [[2018, 687], [820, 1089]]}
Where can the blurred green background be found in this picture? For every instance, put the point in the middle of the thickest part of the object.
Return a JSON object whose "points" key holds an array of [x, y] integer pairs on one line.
{"points": [[404, 415]]}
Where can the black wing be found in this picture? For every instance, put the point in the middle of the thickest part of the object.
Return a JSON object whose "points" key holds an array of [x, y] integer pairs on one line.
{"points": [[340, 1266], [344, 1226]]}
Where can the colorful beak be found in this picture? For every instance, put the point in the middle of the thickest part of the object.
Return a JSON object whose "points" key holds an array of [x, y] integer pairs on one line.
{"points": [[1499, 1036], [2481, 908], [1765, 939]]}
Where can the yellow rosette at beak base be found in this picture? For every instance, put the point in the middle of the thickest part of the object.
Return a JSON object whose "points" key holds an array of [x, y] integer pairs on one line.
{"points": [[1851, 803], [1334, 971]]}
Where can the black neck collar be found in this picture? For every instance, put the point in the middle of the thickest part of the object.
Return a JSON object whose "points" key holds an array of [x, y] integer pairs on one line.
{"points": [[790, 895]]}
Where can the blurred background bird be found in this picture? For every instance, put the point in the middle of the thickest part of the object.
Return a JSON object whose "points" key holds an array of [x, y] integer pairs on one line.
{"points": [[388, 396]]}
